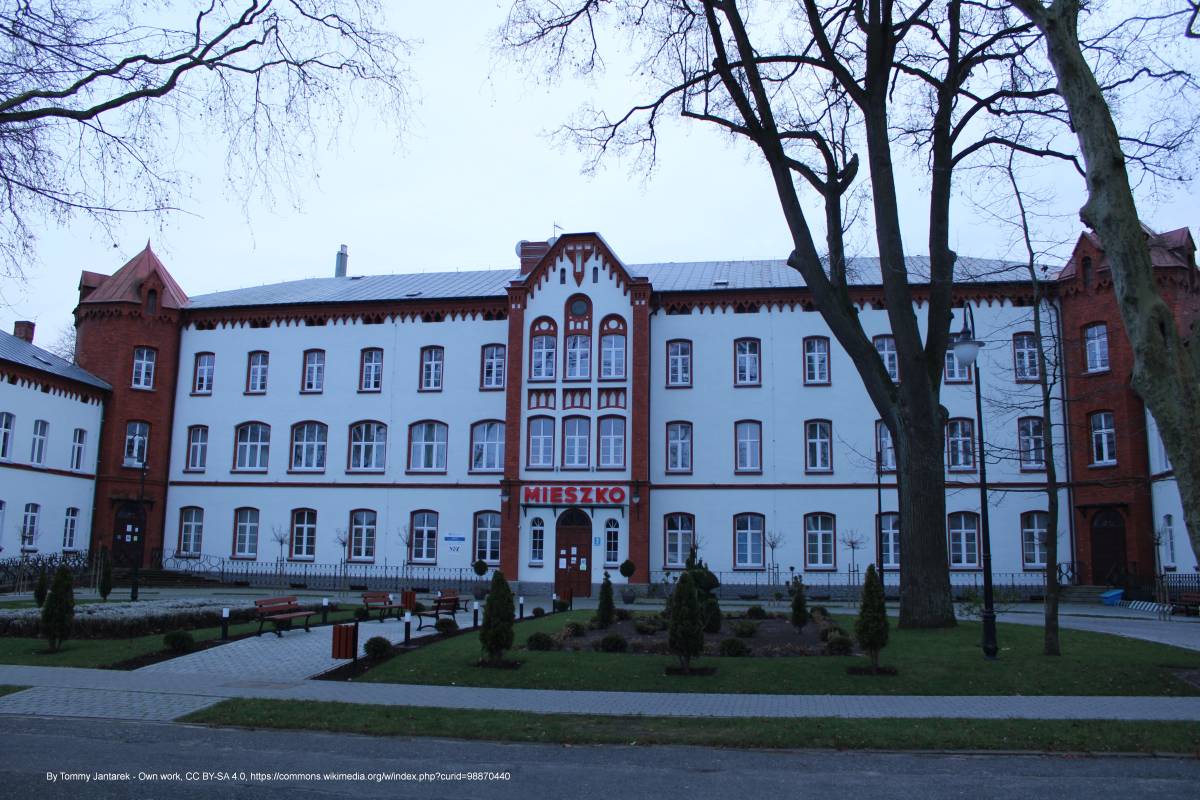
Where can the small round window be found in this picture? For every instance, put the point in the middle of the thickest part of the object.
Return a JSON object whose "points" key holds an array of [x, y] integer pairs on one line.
{"points": [[579, 307]]}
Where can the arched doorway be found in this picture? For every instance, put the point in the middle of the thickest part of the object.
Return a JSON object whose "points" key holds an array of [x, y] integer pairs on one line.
{"points": [[127, 544], [573, 545], [1108, 547]]}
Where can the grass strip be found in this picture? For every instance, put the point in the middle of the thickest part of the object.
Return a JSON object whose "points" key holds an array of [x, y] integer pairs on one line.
{"points": [[11, 689], [761, 732]]}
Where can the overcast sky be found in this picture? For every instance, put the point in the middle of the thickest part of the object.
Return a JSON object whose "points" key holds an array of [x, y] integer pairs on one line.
{"points": [[472, 173]]}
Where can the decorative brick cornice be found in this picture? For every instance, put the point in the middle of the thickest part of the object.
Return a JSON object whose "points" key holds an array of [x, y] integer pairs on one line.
{"points": [[47, 382]]}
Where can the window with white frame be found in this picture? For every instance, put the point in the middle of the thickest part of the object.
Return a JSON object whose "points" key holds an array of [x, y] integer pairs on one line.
{"points": [[191, 530], [143, 367], [819, 541], [960, 444], [1104, 438], [612, 443], [576, 432], [368, 447], [1025, 357], [541, 443], [886, 347], [543, 357], [257, 364], [679, 363], [362, 535], [432, 362], [29, 525], [370, 370], [204, 373], [1166, 539], [491, 375], [41, 433], [197, 452], [612, 543], [1034, 530], [304, 533], [487, 446], [70, 524], [746, 368], [748, 541], [1095, 345], [885, 452], [816, 360], [245, 538], [424, 535], [680, 538], [313, 381], [137, 439], [748, 436], [7, 421], [579, 357], [537, 540], [487, 538], [679, 447], [889, 539], [78, 446], [964, 539], [427, 449], [955, 371], [253, 447], [1031, 443], [612, 356], [309, 440], [818, 445]]}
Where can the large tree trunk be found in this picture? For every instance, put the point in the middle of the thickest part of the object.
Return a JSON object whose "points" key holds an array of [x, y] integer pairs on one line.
{"points": [[1165, 373]]}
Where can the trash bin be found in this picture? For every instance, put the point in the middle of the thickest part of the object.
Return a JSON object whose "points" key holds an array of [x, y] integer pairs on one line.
{"points": [[345, 641]]}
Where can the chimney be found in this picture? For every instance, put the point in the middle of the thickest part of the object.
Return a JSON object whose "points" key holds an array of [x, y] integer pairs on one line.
{"points": [[23, 329], [343, 256], [531, 253]]}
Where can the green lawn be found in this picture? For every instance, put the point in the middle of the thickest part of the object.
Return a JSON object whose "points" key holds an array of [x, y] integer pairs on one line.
{"points": [[10, 689], [883, 734], [103, 652], [931, 662]]}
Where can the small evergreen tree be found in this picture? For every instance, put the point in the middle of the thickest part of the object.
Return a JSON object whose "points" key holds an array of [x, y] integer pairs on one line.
{"points": [[496, 632], [39, 589], [799, 605], [106, 579], [712, 615], [871, 627], [59, 610], [686, 632], [627, 568], [605, 609]]}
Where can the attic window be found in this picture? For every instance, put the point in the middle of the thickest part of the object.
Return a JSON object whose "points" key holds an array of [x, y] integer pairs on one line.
{"points": [[413, 294], [152, 301], [45, 361], [356, 277], [720, 283]]}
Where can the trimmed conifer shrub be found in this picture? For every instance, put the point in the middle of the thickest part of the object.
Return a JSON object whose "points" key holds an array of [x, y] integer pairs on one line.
{"points": [[179, 642], [686, 632], [106, 580], [799, 605], [733, 648], [445, 625], [613, 643], [496, 632], [40, 588], [712, 615], [541, 641], [756, 612], [871, 627], [627, 568], [605, 607], [59, 610], [538, 611], [377, 647]]}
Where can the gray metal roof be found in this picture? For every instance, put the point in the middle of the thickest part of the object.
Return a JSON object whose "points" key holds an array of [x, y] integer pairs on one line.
{"points": [[684, 276], [19, 351]]}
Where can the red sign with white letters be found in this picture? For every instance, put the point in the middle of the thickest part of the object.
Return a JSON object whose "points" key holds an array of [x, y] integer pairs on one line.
{"points": [[582, 495]]}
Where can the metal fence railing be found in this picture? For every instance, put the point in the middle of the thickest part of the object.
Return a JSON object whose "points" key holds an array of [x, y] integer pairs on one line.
{"points": [[20, 574], [329, 577]]}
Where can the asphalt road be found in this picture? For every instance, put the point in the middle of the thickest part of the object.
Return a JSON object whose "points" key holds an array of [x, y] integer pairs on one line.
{"points": [[31, 748]]}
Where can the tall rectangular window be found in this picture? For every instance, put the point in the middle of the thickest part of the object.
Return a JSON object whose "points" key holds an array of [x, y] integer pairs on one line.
{"points": [[541, 443], [256, 372], [816, 361], [308, 446], [70, 524], [748, 541], [612, 443], [889, 537], [1025, 357], [487, 446], [6, 435], [955, 370], [885, 450], [1031, 443], [245, 535], [368, 447], [818, 445], [960, 444], [576, 431], [680, 538], [542, 358], [197, 453], [491, 369], [612, 543], [819, 541], [313, 380], [612, 356], [41, 433], [1095, 343], [191, 530], [679, 447], [748, 438], [432, 361], [78, 446], [679, 363], [29, 526], [370, 370], [304, 533], [487, 537], [885, 346], [143, 367], [137, 438], [746, 367], [1034, 532], [204, 373], [362, 535], [424, 533], [1104, 438], [964, 540], [579, 357], [537, 540], [427, 450]]}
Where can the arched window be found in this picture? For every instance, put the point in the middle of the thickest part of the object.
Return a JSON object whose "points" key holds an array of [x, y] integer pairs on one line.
{"points": [[612, 543], [578, 343], [487, 446], [537, 540], [612, 348], [70, 524], [964, 539], [885, 452], [362, 534], [423, 534], [7, 422], [191, 531], [679, 538], [245, 533], [368, 447], [487, 537], [748, 533], [137, 442], [819, 541], [29, 526], [427, 446], [304, 533], [253, 447], [41, 435], [308, 446], [543, 338], [152, 301], [78, 445]]}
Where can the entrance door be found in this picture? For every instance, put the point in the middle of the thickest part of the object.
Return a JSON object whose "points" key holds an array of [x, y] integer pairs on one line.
{"points": [[1108, 547], [573, 545], [127, 536]]}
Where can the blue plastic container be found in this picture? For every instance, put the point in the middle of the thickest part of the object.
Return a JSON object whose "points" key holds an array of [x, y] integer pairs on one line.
{"points": [[1113, 597]]}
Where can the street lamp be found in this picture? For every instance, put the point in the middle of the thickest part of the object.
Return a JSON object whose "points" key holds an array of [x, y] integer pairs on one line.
{"points": [[142, 446], [966, 350]]}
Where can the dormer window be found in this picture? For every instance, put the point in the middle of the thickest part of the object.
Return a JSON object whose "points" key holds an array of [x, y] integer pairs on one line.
{"points": [[152, 301]]}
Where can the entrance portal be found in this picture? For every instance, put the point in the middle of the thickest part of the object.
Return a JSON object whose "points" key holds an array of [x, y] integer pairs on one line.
{"points": [[573, 543], [127, 545], [1108, 547]]}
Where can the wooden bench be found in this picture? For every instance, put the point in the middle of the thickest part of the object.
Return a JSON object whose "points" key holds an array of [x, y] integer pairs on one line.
{"points": [[1189, 602], [281, 611], [442, 607], [452, 594], [383, 602]]}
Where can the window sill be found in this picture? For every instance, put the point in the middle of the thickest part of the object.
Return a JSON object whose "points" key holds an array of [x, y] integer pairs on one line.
{"points": [[747, 472], [1089, 372], [1032, 469], [379, 471], [677, 472], [747, 386], [250, 392], [370, 391], [1027, 381], [142, 388], [818, 383], [537, 564], [613, 379], [422, 563], [200, 394], [1102, 465], [759, 568], [424, 472], [306, 472], [822, 471], [429, 391], [188, 471], [243, 558], [678, 386], [491, 388], [620, 468], [808, 568], [966, 569], [495, 471], [301, 559]]}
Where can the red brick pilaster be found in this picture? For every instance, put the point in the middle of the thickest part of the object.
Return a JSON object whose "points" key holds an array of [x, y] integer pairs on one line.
{"points": [[639, 416], [510, 520]]}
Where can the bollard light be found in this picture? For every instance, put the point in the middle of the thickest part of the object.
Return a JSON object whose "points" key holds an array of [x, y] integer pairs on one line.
{"points": [[224, 624], [324, 610], [521, 607], [407, 626], [475, 613]]}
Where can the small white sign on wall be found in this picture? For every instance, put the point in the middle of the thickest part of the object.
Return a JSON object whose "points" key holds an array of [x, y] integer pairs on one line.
{"points": [[595, 541], [562, 563]]}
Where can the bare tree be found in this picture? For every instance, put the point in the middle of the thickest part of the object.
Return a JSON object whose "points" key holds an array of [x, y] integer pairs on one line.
{"points": [[90, 91], [774, 538], [63, 345], [853, 541], [1166, 359]]}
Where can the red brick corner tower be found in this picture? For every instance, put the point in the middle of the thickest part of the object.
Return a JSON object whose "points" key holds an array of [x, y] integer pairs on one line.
{"points": [[128, 328]]}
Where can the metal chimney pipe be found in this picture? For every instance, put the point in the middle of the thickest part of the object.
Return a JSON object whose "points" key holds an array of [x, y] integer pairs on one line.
{"points": [[343, 256]]}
